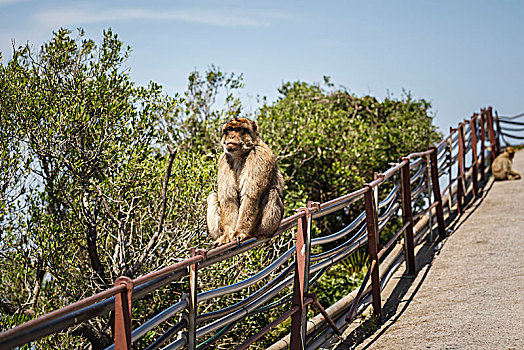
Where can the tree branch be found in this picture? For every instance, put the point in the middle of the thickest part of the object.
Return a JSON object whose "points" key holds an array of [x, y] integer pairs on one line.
{"points": [[153, 240], [113, 218], [40, 272]]}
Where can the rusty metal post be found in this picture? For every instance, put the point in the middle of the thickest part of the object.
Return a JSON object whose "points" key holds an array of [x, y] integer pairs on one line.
{"points": [[372, 228], [428, 189], [491, 133], [376, 176], [407, 217], [474, 157], [499, 130], [460, 173], [301, 279], [482, 145], [192, 305], [328, 318], [462, 128], [450, 168], [122, 333], [436, 192]]}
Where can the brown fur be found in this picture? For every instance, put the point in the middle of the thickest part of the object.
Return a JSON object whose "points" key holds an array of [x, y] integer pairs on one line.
{"points": [[248, 202], [501, 166]]}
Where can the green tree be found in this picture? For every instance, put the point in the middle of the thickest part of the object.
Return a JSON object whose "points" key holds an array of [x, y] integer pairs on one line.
{"points": [[95, 208], [329, 142]]}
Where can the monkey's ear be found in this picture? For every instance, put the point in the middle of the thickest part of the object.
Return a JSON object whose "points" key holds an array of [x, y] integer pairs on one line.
{"points": [[255, 126]]}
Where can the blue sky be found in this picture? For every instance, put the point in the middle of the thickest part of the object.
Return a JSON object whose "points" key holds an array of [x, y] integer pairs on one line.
{"points": [[460, 55]]}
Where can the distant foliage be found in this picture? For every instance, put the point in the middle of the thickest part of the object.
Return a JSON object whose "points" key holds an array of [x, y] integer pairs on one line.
{"points": [[330, 142], [85, 157]]}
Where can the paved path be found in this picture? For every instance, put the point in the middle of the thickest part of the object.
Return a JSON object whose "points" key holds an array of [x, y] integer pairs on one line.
{"points": [[471, 294]]}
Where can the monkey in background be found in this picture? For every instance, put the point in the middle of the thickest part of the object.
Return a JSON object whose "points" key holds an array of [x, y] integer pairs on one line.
{"points": [[249, 197], [501, 166]]}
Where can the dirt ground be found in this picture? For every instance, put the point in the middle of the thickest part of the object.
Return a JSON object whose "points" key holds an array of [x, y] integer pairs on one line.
{"points": [[469, 294]]}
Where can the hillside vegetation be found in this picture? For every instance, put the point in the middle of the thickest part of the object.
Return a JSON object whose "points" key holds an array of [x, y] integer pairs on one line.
{"points": [[100, 177]]}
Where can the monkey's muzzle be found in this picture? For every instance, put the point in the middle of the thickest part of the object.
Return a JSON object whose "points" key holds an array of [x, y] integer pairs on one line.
{"points": [[232, 146]]}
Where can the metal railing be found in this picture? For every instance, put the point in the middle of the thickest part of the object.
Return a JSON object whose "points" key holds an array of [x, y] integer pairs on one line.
{"points": [[511, 127], [414, 179]]}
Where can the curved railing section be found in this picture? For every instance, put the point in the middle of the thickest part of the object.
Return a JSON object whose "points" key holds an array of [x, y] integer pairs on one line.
{"points": [[510, 129], [421, 190]]}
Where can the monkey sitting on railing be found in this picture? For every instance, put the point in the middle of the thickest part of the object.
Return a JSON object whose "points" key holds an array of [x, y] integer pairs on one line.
{"points": [[501, 166], [248, 201]]}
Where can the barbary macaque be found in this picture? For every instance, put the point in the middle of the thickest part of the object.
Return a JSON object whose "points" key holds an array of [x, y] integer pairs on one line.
{"points": [[501, 166], [249, 197]]}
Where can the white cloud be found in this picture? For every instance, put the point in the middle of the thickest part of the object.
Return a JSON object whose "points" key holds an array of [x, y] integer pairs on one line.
{"points": [[223, 18]]}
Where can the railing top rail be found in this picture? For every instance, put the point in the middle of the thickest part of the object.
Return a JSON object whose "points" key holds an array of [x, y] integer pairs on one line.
{"points": [[167, 270], [340, 202], [501, 117], [419, 154], [511, 122], [24, 327], [388, 173]]}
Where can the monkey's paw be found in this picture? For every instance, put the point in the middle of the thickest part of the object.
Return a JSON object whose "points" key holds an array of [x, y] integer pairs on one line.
{"points": [[241, 236], [221, 240], [226, 237]]}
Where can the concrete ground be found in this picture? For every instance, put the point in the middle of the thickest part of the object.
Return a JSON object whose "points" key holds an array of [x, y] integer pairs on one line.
{"points": [[470, 293]]}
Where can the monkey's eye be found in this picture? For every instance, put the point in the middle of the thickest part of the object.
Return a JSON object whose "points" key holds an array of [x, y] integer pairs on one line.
{"points": [[236, 129]]}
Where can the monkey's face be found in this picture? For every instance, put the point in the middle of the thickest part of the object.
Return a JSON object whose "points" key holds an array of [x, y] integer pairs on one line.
{"points": [[511, 152], [238, 136]]}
